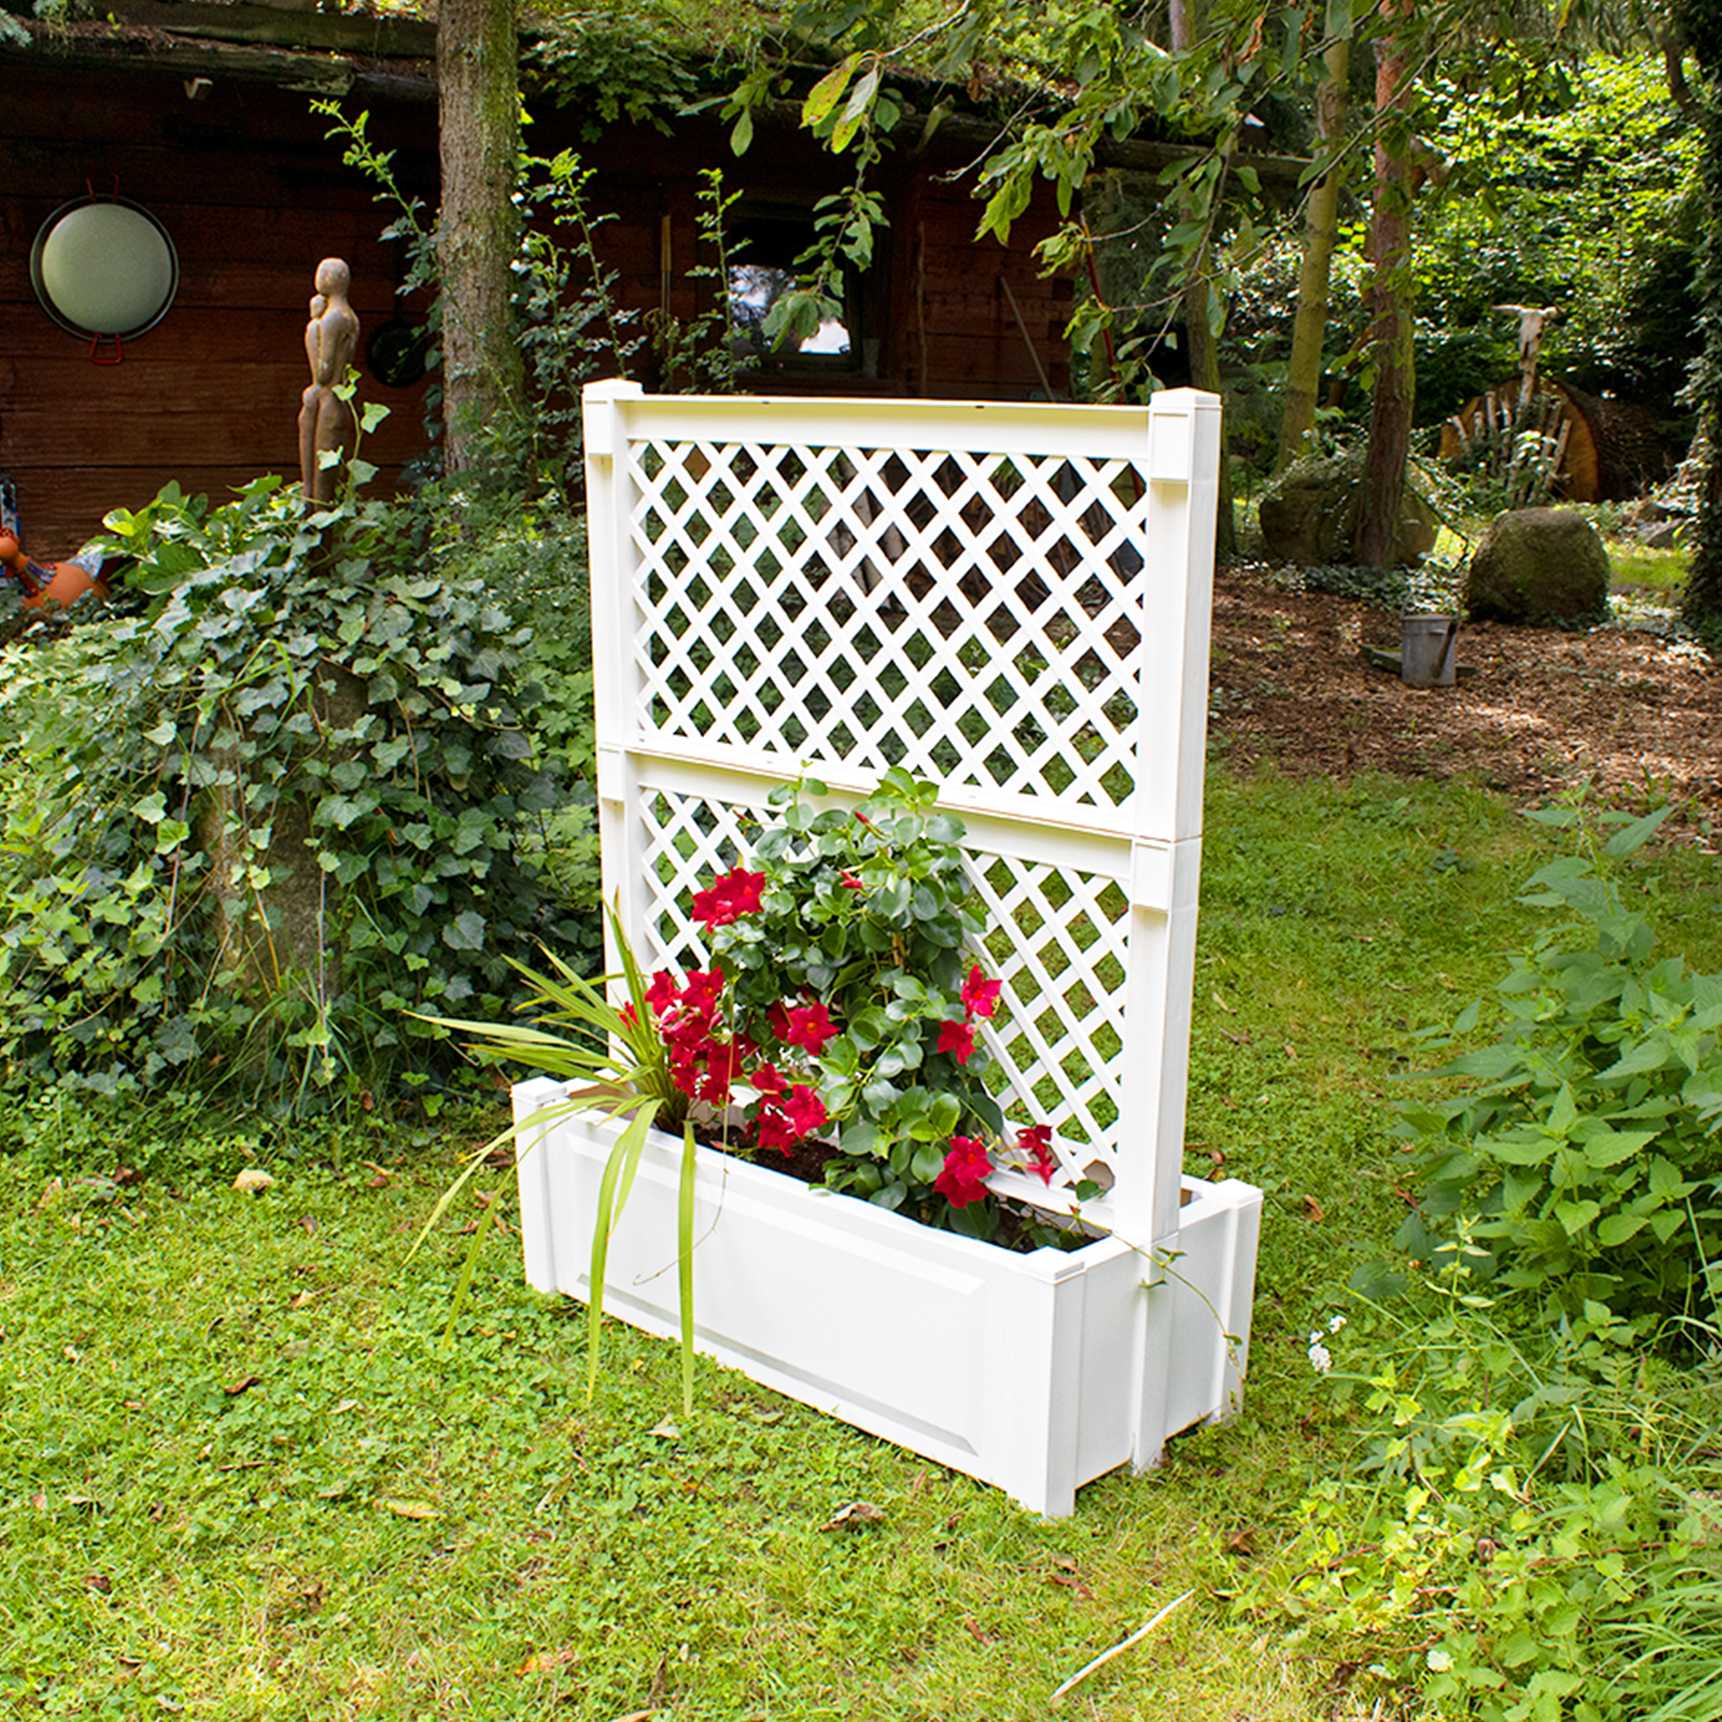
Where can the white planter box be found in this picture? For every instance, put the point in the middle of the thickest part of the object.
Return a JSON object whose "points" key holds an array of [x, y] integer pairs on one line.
{"points": [[1034, 1372]]}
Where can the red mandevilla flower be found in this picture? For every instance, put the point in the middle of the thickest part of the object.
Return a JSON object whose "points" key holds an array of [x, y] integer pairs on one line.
{"points": [[805, 1110], [1036, 1142], [980, 996], [728, 898], [661, 994], [850, 882], [958, 1039], [963, 1178], [809, 1026]]}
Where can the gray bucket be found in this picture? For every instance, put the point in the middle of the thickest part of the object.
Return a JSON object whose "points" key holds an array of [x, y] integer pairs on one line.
{"points": [[1429, 648]]}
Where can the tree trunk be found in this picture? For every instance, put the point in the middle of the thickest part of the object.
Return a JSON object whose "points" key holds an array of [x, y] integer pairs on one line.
{"points": [[477, 54], [1201, 346], [1321, 218], [1702, 603], [1390, 301]]}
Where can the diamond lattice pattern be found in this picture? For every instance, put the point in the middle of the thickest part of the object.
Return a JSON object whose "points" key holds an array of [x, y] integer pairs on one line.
{"points": [[974, 617]]}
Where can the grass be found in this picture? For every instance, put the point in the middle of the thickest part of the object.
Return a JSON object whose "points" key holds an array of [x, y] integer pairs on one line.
{"points": [[1637, 568], [242, 1477]]}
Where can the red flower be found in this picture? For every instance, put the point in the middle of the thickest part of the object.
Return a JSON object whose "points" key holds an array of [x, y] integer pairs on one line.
{"points": [[980, 996], [778, 1018], [1036, 1142], [809, 1026], [774, 1130], [767, 1078], [849, 882], [723, 1065], [703, 990], [735, 894], [661, 994], [805, 1110], [958, 1039], [963, 1178], [627, 1014]]}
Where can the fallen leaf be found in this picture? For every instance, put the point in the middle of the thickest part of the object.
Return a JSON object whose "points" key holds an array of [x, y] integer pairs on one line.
{"points": [[853, 1516], [666, 1431], [253, 1179], [52, 1191], [346, 1405], [381, 1177], [98, 1582], [543, 1661], [244, 1384], [637, 1716], [1237, 1039], [978, 1632], [1313, 1210], [1217, 1156], [1242, 1543], [39, 1501], [127, 1175], [410, 1509], [333, 1493], [1408, 1197], [133, 1404], [71, 1354], [1072, 1583], [1291, 1052], [300, 1299], [308, 1225], [1222, 1003]]}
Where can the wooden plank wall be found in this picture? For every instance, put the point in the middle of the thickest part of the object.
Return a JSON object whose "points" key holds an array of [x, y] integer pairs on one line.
{"points": [[254, 195]]}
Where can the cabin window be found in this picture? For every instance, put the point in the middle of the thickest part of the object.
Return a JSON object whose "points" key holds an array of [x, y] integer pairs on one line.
{"points": [[104, 268], [768, 240]]}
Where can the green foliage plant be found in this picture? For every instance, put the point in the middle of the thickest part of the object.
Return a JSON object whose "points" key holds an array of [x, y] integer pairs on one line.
{"points": [[1583, 1162], [614, 1060], [868, 913], [285, 701], [1518, 1507]]}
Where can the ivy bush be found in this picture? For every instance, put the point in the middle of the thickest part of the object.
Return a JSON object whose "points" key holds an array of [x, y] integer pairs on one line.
{"points": [[286, 793], [1584, 1165]]}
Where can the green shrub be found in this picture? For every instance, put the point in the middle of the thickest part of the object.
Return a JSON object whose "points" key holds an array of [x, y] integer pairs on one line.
{"points": [[285, 799], [1524, 1506], [1584, 1165]]}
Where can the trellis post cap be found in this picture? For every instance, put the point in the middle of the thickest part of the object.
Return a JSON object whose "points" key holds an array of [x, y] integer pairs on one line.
{"points": [[1173, 415], [603, 433]]}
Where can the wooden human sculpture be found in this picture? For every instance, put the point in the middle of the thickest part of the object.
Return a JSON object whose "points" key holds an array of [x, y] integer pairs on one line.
{"points": [[325, 420]]}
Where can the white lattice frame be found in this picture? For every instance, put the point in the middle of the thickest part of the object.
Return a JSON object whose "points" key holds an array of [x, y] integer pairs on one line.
{"points": [[1151, 844]]}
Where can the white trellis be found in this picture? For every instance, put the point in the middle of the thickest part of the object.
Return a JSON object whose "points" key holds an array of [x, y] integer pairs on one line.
{"points": [[1013, 600]]}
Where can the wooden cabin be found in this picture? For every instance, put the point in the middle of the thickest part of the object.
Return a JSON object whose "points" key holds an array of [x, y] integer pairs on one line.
{"points": [[212, 134]]}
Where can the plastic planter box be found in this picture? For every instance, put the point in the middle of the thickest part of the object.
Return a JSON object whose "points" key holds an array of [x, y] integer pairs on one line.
{"points": [[1034, 1372]]}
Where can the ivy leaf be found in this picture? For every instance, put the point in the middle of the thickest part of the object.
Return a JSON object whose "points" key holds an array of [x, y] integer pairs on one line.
{"points": [[465, 932], [151, 808]]}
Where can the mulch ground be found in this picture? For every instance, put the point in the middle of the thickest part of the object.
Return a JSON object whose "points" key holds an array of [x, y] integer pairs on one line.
{"points": [[1639, 716]]}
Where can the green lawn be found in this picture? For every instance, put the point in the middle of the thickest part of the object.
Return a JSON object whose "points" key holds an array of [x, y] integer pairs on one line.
{"points": [[241, 1477], [1657, 573]]}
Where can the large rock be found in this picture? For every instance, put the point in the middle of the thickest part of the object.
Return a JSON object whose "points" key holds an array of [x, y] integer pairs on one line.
{"points": [[1309, 514], [1539, 567]]}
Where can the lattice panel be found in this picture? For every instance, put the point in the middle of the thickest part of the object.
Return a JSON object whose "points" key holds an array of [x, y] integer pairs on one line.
{"points": [[974, 617], [1059, 941]]}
